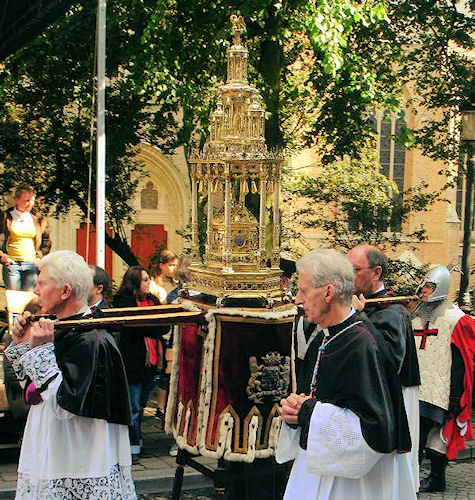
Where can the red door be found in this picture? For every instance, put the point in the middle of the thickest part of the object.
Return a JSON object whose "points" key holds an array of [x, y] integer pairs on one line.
{"points": [[146, 240], [81, 238]]}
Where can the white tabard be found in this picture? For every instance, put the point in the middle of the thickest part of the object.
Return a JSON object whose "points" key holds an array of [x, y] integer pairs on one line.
{"points": [[63, 455], [338, 464]]}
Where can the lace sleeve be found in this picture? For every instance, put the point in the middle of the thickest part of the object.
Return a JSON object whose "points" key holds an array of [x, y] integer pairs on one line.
{"points": [[14, 352], [288, 444], [336, 446], [40, 365]]}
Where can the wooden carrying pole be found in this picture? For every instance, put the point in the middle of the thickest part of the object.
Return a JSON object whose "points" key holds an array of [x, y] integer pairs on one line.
{"points": [[160, 319], [114, 318]]}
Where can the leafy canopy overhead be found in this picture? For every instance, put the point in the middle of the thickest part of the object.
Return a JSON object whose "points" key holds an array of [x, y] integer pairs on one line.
{"points": [[322, 67]]}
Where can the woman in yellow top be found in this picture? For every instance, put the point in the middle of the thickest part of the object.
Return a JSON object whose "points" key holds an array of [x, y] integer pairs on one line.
{"points": [[22, 242]]}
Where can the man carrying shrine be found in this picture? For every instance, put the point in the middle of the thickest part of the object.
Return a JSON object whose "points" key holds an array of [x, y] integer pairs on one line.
{"points": [[76, 442], [346, 428], [393, 321]]}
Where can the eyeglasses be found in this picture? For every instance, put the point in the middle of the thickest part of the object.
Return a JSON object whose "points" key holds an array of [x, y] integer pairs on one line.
{"points": [[356, 269], [145, 279]]}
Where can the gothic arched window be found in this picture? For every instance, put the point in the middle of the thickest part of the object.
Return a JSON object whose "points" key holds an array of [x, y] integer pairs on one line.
{"points": [[392, 157]]}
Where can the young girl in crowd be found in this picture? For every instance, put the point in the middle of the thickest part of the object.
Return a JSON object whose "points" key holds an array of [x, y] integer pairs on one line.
{"points": [[163, 275], [162, 284]]}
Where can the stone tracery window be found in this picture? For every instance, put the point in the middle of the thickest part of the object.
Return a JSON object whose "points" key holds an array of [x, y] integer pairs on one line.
{"points": [[392, 157], [392, 160]]}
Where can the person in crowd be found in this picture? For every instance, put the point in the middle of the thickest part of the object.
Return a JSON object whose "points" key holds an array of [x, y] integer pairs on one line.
{"points": [[304, 334], [446, 348], [163, 276], [46, 241], [24, 240], [287, 267], [76, 439], [164, 283], [100, 286], [393, 321], [304, 331], [181, 276], [139, 348], [346, 426]]}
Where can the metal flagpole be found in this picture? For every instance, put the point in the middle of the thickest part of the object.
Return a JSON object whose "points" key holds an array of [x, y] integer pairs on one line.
{"points": [[101, 134]]}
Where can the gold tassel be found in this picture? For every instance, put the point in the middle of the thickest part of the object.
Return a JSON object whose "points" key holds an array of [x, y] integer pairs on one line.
{"points": [[253, 187]]}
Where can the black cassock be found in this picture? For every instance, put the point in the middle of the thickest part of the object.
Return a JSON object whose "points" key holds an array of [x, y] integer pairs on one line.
{"points": [[393, 321], [357, 371]]}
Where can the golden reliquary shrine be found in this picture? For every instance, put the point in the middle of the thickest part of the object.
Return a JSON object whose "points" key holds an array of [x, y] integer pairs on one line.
{"points": [[239, 178], [230, 373]]}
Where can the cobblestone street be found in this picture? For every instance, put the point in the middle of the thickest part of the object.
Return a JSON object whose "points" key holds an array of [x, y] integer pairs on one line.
{"points": [[460, 486], [154, 474]]}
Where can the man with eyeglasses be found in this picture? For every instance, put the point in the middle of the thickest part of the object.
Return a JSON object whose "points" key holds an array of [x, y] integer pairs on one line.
{"points": [[346, 427], [393, 321]]}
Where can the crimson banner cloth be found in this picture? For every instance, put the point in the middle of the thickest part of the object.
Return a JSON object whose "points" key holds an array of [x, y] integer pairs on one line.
{"points": [[227, 381]]}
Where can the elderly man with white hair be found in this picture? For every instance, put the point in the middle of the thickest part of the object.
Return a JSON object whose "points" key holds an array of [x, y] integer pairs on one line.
{"points": [[76, 442], [346, 426]]}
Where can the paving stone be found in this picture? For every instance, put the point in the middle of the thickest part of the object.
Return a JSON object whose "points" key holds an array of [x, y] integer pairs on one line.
{"points": [[155, 473], [9, 476]]}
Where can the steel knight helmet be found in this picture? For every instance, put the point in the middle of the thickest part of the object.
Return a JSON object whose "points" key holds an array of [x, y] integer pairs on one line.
{"points": [[440, 277]]}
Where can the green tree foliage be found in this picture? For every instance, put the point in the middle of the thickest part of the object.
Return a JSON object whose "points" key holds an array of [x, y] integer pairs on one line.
{"points": [[352, 202], [322, 67], [47, 90]]}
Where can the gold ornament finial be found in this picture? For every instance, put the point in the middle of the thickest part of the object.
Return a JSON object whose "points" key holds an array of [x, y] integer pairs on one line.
{"points": [[237, 28]]}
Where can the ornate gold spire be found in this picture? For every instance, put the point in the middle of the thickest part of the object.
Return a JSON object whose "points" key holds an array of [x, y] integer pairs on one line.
{"points": [[237, 28], [237, 123], [233, 165]]}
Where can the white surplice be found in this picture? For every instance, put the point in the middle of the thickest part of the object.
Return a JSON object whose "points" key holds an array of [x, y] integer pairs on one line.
{"points": [[411, 403], [65, 456], [338, 463]]}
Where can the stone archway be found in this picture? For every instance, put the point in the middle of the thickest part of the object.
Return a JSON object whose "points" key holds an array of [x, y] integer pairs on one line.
{"points": [[162, 199]]}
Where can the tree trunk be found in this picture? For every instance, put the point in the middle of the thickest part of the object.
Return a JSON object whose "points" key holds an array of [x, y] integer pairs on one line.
{"points": [[117, 244], [270, 66], [122, 249], [467, 227]]}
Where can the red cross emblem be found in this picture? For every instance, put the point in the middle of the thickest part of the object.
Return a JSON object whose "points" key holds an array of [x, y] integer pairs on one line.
{"points": [[426, 332]]}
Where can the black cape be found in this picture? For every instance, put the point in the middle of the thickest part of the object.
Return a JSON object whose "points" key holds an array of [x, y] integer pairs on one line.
{"points": [[393, 321], [357, 372], [94, 382]]}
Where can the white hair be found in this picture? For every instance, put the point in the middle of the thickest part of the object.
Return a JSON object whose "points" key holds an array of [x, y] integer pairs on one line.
{"points": [[67, 267], [326, 267]]}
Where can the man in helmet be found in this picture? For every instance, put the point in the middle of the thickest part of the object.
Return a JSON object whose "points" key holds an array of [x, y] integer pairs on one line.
{"points": [[445, 338]]}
